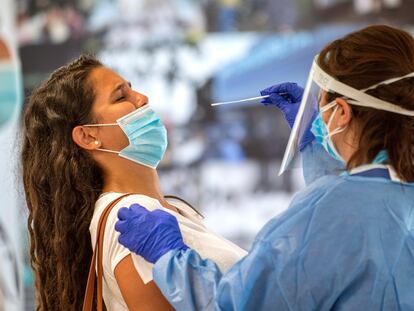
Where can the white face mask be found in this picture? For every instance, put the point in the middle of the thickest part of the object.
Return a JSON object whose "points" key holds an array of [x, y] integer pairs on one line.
{"points": [[146, 134]]}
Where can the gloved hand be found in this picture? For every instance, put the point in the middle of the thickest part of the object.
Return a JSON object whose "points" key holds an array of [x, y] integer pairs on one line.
{"points": [[148, 234], [287, 97]]}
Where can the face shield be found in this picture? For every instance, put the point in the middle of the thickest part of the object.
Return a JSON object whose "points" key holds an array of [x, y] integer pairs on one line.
{"points": [[318, 87]]}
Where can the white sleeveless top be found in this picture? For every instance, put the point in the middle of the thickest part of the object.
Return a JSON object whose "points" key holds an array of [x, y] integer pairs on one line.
{"points": [[209, 245]]}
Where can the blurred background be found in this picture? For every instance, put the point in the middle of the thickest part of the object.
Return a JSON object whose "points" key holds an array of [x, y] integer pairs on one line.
{"points": [[185, 55]]}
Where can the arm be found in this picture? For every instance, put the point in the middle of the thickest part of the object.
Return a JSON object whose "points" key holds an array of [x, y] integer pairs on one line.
{"points": [[191, 283], [172, 273], [186, 280], [131, 277], [159, 234], [137, 295]]}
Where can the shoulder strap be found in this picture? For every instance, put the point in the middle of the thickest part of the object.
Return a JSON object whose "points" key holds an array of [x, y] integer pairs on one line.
{"points": [[185, 202], [97, 255]]}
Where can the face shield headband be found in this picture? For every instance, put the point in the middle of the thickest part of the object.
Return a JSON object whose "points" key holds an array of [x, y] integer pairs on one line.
{"points": [[319, 79]]}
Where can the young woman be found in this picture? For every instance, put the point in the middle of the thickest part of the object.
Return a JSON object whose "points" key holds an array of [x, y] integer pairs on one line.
{"points": [[346, 242], [88, 139]]}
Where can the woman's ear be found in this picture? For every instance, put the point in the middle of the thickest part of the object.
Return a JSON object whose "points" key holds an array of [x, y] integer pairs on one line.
{"points": [[86, 137], [345, 113]]}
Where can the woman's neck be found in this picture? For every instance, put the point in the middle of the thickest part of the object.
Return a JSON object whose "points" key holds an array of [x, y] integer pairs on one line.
{"points": [[129, 177], [346, 143]]}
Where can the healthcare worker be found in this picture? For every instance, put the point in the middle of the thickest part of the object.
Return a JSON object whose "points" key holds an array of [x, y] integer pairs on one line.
{"points": [[346, 242]]}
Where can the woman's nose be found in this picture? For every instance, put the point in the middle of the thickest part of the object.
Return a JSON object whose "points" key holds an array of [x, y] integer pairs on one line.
{"points": [[140, 100]]}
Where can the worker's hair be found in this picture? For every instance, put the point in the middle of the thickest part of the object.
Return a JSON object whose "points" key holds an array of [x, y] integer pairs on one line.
{"points": [[362, 59], [61, 183]]}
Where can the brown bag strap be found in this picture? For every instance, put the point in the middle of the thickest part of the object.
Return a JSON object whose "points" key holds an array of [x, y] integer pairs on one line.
{"points": [[97, 255]]}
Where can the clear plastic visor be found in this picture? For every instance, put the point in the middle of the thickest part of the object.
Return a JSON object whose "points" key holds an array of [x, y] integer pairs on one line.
{"points": [[313, 95], [318, 89]]}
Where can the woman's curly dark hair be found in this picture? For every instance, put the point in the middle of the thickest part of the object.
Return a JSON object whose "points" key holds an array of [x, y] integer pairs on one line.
{"points": [[61, 184]]}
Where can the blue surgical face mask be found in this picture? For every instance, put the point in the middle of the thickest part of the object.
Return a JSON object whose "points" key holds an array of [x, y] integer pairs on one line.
{"points": [[146, 134], [321, 132], [9, 90]]}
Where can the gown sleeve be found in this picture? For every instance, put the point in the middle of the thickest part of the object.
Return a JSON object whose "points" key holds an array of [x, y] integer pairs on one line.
{"points": [[191, 283]]}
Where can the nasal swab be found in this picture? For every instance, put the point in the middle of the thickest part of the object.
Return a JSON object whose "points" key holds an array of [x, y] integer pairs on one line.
{"points": [[240, 101], [244, 100]]}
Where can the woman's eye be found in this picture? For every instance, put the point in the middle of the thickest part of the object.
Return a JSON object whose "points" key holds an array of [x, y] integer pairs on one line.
{"points": [[120, 98]]}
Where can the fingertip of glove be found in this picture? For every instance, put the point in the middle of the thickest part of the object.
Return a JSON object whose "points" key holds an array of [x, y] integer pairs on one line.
{"points": [[119, 226], [123, 213]]}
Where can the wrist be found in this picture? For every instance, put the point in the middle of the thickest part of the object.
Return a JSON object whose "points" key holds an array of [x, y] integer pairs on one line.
{"points": [[180, 245], [175, 248]]}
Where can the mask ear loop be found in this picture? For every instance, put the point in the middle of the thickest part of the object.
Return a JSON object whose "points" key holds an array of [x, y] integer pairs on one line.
{"points": [[97, 142], [337, 130], [328, 106], [102, 124], [107, 150]]}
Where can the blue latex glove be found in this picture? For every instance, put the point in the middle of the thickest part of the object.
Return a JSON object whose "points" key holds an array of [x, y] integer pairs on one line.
{"points": [[287, 97], [148, 234]]}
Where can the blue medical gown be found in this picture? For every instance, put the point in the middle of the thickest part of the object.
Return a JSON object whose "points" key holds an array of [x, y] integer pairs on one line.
{"points": [[316, 163], [345, 243]]}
